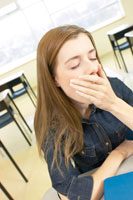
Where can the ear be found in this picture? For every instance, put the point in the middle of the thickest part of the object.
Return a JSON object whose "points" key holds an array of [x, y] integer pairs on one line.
{"points": [[56, 82]]}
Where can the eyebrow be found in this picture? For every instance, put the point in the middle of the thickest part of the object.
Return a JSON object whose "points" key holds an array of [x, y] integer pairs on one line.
{"points": [[74, 57]]}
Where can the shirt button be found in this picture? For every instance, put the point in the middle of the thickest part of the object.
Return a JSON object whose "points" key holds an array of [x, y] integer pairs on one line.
{"points": [[82, 152], [107, 143]]}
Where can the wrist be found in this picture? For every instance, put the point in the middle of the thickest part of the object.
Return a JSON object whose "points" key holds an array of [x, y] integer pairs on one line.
{"points": [[121, 154], [115, 106]]}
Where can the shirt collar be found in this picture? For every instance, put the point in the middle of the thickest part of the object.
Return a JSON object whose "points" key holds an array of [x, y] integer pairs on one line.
{"points": [[94, 109]]}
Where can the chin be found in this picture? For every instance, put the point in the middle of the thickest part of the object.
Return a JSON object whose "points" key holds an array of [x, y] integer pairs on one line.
{"points": [[80, 101]]}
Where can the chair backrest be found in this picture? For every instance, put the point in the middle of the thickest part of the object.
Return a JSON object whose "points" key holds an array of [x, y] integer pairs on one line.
{"points": [[18, 92]]}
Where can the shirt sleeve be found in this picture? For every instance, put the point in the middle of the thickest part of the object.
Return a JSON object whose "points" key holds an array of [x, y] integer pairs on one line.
{"points": [[68, 183], [122, 91]]}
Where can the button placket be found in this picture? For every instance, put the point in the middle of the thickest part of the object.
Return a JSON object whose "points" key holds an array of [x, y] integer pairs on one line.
{"points": [[103, 137]]}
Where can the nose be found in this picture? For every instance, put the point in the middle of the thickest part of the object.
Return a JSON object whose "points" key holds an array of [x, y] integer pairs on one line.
{"points": [[90, 66]]}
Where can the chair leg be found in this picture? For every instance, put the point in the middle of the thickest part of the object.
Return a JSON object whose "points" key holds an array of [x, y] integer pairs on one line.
{"points": [[13, 161], [123, 61], [6, 192], [122, 57], [24, 77], [131, 48], [20, 113], [31, 98], [18, 125], [29, 85], [114, 52], [117, 59]]}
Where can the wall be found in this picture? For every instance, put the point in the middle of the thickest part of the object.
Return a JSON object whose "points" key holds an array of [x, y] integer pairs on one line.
{"points": [[100, 37], [29, 69]]}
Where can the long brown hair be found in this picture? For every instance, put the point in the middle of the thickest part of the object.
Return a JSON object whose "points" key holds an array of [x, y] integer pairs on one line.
{"points": [[55, 113]]}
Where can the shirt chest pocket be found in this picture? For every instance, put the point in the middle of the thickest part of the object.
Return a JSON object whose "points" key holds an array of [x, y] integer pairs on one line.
{"points": [[88, 155]]}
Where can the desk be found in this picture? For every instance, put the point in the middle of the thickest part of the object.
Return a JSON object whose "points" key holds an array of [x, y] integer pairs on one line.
{"points": [[116, 34], [129, 37], [5, 85], [5, 102], [120, 31], [15, 79], [126, 166]]}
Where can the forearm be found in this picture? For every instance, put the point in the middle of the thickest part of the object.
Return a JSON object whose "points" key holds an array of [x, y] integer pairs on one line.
{"points": [[122, 111], [108, 169]]}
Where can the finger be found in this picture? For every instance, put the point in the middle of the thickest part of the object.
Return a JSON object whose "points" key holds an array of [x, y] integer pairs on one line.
{"points": [[86, 96], [85, 90], [86, 84], [93, 78]]}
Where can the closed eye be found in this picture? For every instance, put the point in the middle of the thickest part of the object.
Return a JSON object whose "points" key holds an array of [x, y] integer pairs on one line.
{"points": [[74, 67], [93, 59]]}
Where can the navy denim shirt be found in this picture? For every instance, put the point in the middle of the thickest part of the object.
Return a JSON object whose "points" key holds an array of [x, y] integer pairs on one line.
{"points": [[103, 132]]}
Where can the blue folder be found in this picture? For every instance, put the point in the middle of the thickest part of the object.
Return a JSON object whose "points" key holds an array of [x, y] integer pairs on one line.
{"points": [[119, 187]]}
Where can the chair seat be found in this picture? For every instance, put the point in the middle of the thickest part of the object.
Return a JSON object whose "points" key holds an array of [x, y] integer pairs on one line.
{"points": [[6, 118], [123, 46], [19, 92]]}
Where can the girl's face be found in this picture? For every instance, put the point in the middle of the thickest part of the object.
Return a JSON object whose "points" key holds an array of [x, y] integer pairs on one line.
{"points": [[76, 57]]}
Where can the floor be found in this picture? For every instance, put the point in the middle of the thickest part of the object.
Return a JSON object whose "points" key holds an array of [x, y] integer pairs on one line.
{"points": [[27, 157]]}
